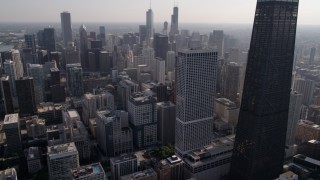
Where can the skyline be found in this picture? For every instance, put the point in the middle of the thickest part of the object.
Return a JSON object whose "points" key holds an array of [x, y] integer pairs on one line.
{"points": [[115, 11]]}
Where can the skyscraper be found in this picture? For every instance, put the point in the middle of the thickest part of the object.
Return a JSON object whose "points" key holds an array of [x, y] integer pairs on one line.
{"points": [[26, 96], [196, 75], [306, 87], [83, 46], [143, 119], [216, 42], [231, 80], [6, 93], [142, 34], [174, 30], [49, 39], [160, 45], [261, 133], [293, 118], [11, 127], [66, 28], [75, 81], [312, 55], [34, 71], [149, 25], [30, 42]]}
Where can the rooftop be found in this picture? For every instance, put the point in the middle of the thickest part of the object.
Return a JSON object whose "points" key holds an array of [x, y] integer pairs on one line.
{"points": [[219, 147], [62, 148], [141, 174], [226, 102], [73, 114], [124, 157], [11, 118], [89, 170], [8, 174], [309, 123]]}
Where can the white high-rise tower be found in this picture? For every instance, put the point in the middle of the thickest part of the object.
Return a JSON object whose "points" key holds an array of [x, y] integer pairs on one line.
{"points": [[196, 72]]}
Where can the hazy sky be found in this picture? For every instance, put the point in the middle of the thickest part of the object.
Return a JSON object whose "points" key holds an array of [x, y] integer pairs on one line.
{"points": [[200, 11]]}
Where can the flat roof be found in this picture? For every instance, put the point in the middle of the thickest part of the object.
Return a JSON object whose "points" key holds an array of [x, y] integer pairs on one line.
{"points": [[62, 148], [11, 118], [88, 170], [73, 114]]}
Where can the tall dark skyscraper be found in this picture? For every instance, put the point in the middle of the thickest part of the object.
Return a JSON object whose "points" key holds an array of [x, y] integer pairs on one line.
{"points": [[174, 23], [259, 147], [66, 28], [160, 45], [49, 39], [26, 96]]}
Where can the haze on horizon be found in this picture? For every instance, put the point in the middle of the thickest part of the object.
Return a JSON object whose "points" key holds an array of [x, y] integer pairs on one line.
{"points": [[191, 11]]}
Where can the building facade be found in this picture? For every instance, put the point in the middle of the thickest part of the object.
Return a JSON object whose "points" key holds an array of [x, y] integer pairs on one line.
{"points": [[261, 132]]}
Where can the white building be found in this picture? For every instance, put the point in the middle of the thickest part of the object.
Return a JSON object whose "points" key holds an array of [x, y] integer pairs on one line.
{"points": [[160, 70], [196, 72], [171, 61]]}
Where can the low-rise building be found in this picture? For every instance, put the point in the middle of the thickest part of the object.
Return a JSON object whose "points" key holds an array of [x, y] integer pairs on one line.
{"points": [[88, 172], [307, 130], [123, 165], [148, 174], [211, 162]]}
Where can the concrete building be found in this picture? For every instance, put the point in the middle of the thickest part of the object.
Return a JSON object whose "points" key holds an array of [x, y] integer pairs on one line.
{"points": [[123, 165], [307, 131], [61, 159], [288, 176], [171, 61], [148, 174], [51, 112], [9, 174], [306, 88], [34, 71], [79, 134], [160, 70], [66, 28], [143, 119], [91, 171], [293, 119], [211, 162], [231, 81], [216, 41], [113, 133], [166, 112], [30, 42], [92, 103], [33, 159], [36, 127], [125, 89], [227, 111], [11, 127], [170, 168], [196, 72]]}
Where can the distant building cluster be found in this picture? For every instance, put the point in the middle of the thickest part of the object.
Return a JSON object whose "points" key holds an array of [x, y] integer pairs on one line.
{"points": [[162, 104]]}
